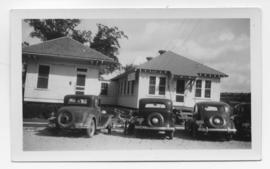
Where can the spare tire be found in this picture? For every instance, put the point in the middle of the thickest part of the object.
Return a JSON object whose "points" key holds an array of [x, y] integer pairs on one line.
{"points": [[155, 119], [65, 118]]}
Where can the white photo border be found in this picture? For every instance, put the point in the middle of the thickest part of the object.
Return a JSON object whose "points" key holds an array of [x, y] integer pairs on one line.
{"points": [[17, 153]]}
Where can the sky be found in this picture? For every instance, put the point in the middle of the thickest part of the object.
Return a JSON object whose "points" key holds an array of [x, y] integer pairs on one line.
{"points": [[223, 44]]}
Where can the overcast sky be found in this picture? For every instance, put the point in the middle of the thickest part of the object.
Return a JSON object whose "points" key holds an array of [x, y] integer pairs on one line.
{"points": [[223, 44]]}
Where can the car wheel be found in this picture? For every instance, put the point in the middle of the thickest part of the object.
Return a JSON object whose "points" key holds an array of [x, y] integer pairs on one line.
{"points": [[90, 131], [229, 137], [129, 128], [170, 134], [109, 129], [194, 132]]}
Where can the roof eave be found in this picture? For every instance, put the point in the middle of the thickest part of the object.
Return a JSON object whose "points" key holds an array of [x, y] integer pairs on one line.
{"points": [[70, 57]]}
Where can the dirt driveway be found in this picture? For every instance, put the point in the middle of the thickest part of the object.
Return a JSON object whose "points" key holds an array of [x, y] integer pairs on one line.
{"points": [[40, 139]]}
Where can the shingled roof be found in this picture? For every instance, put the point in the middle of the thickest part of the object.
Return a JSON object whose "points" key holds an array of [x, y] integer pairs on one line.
{"points": [[177, 65], [65, 47]]}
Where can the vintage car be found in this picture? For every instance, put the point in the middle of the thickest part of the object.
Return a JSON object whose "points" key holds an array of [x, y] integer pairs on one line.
{"points": [[211, 117], [242, 119], [154, 114], [81, 112]]}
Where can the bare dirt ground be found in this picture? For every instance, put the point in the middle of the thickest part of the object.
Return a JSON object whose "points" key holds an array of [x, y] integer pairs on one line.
{"points": [[40, 139]]}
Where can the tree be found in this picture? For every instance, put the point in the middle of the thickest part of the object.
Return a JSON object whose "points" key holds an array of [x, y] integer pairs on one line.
{"points": [[47, 29], [106, 41], [129, 67]]}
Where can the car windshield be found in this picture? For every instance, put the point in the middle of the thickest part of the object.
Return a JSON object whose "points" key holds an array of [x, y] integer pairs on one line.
{"points": [[214, 108], [78, 101], [155, 105]]}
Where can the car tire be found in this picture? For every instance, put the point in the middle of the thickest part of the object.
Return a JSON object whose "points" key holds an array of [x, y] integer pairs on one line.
{"points": [[170, 134], [68, 115], [129, 128], [194, 132], [90, 131], [109, 129], [229, 137]]}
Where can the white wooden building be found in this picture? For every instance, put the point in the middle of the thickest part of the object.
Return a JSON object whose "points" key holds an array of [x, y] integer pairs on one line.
{"points": [[170, 76], [59, 67]]}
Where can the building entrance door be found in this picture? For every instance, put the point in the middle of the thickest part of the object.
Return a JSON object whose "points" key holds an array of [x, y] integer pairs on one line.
{"points": [[80, 82], [180, 91]]}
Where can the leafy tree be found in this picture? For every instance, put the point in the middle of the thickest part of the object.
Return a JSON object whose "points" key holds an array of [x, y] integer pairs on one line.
{"points": [[129, 67], [106, 41], [47, 29]]}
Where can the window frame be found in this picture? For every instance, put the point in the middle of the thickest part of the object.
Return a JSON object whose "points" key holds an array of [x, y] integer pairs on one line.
{"points": [[162, 85], [104, 89], [152, 85], [38, 76], [207, 88], [198, 88], [132, 86]]}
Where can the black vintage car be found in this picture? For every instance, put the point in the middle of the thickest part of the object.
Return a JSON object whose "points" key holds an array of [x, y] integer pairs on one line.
{"points": [[242, 119], [154, 114], [81, 112], [211, 117]]}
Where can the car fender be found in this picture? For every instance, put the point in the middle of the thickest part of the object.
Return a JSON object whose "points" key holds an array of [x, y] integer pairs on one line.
{"points": [[90, 116], [107, 122]]}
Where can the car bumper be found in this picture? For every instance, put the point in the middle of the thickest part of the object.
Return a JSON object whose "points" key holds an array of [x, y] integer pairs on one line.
{"points": [[155, 128], [227, 130], [74, 126]]}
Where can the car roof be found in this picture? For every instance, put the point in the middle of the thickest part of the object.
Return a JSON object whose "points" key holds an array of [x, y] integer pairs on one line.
{"points": [[212, 103]]}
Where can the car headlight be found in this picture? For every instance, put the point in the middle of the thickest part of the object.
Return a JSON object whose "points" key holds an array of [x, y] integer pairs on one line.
{"points": [[217, 121], [155, 120]]}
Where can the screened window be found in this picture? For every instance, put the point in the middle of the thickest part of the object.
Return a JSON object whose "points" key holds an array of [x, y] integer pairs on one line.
{"points": [[152, 85], [120, 87], [180, 86], [104, 89], [128, 87], [125, 86], [43, 76], [198, 92], [132, 86], [80, 80], [207, 91], [162, 85]]}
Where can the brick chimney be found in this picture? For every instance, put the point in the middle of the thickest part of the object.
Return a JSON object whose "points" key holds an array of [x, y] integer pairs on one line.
{"points": [[161, 51], [149, 58]]}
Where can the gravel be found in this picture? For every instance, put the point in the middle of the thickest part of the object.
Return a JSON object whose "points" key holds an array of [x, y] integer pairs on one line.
{"points": [[40, 139]]}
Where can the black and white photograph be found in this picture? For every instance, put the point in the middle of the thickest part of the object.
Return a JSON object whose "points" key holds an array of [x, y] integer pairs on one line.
{"points": [[150, 84]]}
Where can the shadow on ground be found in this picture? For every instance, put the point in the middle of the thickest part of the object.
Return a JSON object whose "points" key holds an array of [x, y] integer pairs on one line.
{"points": [[179, 134]]}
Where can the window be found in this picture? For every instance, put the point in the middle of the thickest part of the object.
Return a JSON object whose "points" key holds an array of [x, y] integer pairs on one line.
{"points": [[198, 92], [132, 86], [80, 80], [104, 89], [125, 86], [155, 105], [128, 87], [180, 86], [152, 85], [162, 85], [207, 91], [43, 76], [120, 87]]}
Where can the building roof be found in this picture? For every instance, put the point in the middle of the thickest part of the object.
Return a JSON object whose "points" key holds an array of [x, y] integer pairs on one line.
{"points": [[179, 66], [65, 47]]}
